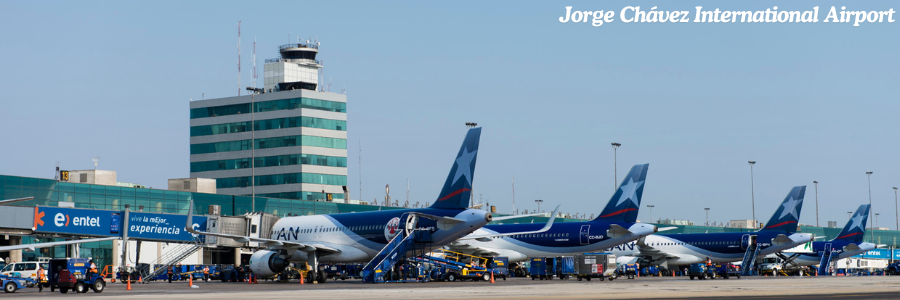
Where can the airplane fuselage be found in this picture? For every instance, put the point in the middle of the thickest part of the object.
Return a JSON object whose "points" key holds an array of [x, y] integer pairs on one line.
{"points": [[683, 249], [814, 258], [360, 236], [568, 238]]}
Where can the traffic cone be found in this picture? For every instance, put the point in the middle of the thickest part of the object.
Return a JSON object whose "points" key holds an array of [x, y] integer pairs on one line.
{"points": [[190, 280], [301, 278], [129, 285], [492, 277], [140, 279]]}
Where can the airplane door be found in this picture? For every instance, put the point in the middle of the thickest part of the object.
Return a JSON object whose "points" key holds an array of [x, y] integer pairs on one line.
{"points": [[747, 240], [584, 234]]}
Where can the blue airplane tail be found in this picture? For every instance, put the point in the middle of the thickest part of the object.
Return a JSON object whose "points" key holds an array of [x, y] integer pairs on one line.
{"points": [[856, 227], [787, 215], [458, 187], [626, 201]]}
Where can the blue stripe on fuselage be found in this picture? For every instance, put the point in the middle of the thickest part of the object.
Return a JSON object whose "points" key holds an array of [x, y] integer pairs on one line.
{"points": [[724, 242], [560, 235]]}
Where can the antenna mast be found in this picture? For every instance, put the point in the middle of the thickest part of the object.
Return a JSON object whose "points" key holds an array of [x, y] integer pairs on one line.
{"points": [[360, 170], [239, 58], [514, 193], [253, 82]]}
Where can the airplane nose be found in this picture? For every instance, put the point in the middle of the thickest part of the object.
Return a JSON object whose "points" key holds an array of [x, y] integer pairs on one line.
{"points": [[488, 217]]}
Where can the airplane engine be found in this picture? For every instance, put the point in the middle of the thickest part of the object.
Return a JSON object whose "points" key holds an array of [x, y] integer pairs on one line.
{"points": [[267, 263]]}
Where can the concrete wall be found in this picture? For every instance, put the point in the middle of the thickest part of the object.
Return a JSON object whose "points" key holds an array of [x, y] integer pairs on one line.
{"points": [[101, 177], [196, 185]]}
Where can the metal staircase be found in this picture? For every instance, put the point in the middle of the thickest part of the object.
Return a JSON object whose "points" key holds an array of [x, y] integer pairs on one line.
{"points": [[749, 259], [407, 239], [825, 261], [172, 257]]}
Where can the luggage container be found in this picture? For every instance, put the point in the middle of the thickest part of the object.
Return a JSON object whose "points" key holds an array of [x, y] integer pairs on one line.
{"points": [[500, 265], [595, 265], [538, 268], [565, 267]]}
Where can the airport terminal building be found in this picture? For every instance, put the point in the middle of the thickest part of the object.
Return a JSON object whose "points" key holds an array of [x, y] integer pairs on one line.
{"points": [[288, 140]]}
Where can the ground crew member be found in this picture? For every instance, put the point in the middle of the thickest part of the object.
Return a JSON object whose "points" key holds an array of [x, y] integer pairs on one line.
{"points": [[170, 272], [206, 273], [40, 277], [92, 270]]}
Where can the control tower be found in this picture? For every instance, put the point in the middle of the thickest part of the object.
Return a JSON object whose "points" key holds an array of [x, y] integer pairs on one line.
{"points": [[296, 69]]}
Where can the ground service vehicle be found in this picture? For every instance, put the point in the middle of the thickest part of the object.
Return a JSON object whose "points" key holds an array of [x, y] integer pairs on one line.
{"points": [[72, 274], [27, 269], [893, 269], [727, 270], [628, 270], [11, 284], [700, 271]]}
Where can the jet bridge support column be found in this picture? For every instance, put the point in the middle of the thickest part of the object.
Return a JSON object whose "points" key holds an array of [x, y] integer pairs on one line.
{"points": [[124, 261]]}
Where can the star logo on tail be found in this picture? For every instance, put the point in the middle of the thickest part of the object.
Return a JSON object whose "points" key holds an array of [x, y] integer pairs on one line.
{"points": [[790, 208], [856, 221], [463, 166], [629, 191]]}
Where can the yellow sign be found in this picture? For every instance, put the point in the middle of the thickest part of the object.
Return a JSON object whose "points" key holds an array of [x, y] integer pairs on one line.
{"points": [[64, 175]]}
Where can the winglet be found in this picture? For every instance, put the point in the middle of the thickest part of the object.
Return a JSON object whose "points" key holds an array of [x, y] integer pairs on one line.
{"points": [[189, 224], [788, 213], [486, 237]]}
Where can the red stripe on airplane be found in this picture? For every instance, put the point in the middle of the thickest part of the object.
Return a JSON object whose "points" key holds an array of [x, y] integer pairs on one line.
{"points": [[782, 223], [457, 192], [852, 234], [618, 212]]}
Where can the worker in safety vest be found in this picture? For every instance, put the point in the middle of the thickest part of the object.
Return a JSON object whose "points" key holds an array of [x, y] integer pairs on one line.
{"points": [[170, 273], [206, 273], [92, 270], [40, 278]]}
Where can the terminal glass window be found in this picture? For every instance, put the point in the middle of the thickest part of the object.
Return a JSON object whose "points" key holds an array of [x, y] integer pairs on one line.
{"points": [[217, 111]]}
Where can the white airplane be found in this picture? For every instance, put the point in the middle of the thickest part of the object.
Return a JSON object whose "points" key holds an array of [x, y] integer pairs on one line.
{"points": [[614, 226], [359, 237], [780, 233]]}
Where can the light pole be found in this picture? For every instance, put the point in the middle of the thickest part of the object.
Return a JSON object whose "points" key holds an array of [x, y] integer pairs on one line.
{"points": [[538, 201], [255, 91], [896, 214], [869, 177], [752, 196], [650, 207], [707, 215], [615, 167], [817, 202]]}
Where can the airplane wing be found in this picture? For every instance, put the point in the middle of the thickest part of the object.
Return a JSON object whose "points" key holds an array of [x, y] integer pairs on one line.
{"points": [[52, 244], [2, 202], [268, 242], [488, 236], [517, 216], [653, 253]]}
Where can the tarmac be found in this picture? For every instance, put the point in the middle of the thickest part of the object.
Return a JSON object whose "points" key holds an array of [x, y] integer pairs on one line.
{"points": [[862, 287]]}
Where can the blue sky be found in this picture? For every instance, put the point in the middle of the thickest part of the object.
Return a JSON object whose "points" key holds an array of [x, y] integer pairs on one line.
{"points": [[696, 101]]}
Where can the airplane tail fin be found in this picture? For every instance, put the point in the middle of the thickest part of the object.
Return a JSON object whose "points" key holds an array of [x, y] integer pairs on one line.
{"points": [[787, 215], [626, 201], [856, 227], [458, 187]]}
